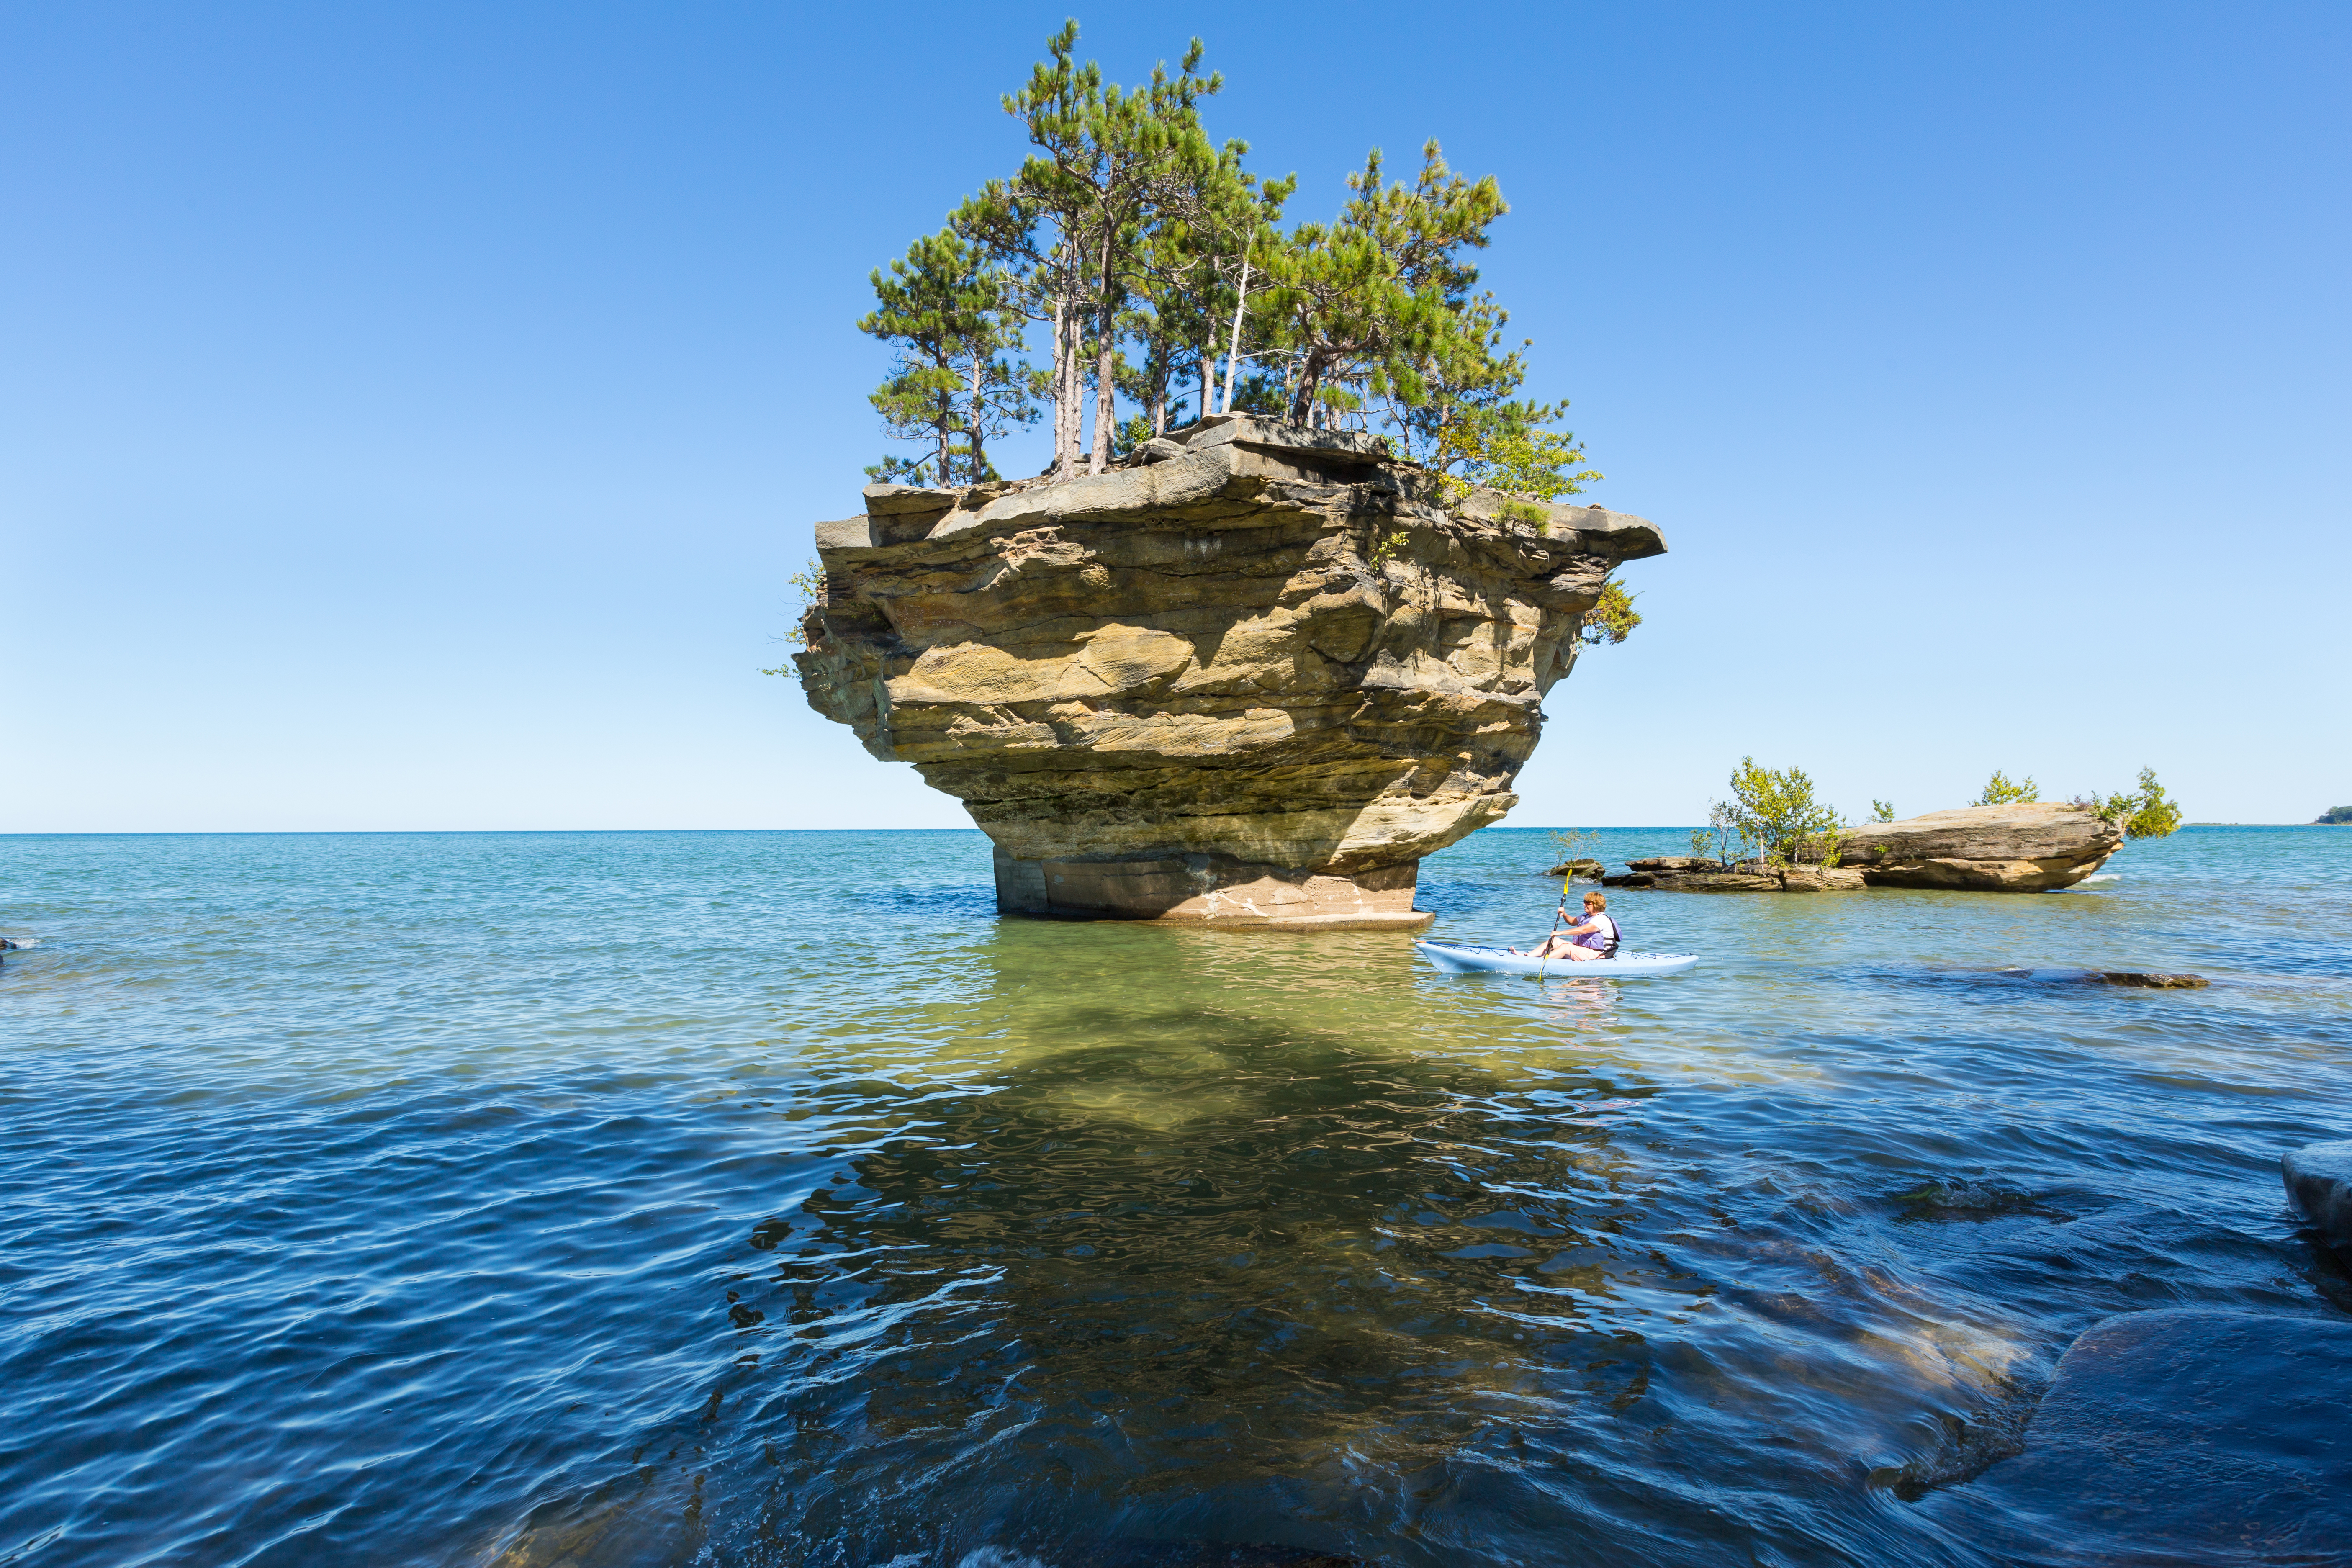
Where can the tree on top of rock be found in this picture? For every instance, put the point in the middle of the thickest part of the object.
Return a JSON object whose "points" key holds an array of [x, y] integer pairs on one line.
{"points": [[946, 306], [1125, 228]]}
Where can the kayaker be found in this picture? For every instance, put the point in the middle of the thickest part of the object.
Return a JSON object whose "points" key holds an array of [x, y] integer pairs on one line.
{"points": [[1593, 937]]}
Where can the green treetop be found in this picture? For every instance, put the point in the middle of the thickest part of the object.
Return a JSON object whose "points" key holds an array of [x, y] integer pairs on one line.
{"points": [[946, 306], [2000, 791], [1149, 259]]}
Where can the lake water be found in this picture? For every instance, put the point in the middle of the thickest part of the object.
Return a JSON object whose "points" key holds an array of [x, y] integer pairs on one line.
{"points": [[606, 1199]]}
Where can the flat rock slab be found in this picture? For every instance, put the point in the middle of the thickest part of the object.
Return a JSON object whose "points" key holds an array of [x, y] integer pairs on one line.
{"points": [[2150, 980], [2319, 1180], [2177, 1438]]}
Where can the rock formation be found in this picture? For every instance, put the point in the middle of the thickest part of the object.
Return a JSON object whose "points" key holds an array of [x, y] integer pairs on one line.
{"points": [[2319, 1180], [2176, 1437], [1251, 678], [1692, 874], [2025, 848]]}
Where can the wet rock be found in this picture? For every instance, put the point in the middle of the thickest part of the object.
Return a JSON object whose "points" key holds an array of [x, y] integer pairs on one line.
{"points": [[1821, 880], [1689, 873], [1251, 679], [1974, 1201], [1593, 869], [2187, 1436], [1716, 882], [2149, 979], [2029, 847], [2319, 1180]]}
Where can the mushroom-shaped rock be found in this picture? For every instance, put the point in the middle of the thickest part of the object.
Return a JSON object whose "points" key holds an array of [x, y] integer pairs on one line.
{"points": [[1251, 679], [2026, 847]]}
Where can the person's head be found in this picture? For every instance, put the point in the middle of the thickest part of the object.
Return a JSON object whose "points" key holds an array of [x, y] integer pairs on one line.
{"points": [[1595, 902]]}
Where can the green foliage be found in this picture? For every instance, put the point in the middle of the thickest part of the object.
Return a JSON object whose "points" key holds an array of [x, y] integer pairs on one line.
{"points": [[808, 584], [1385, 547], [2143, 811], [2000, 791], [2334, 815], [2146, 811], [1144, 252], [1525, 512], [1571, 846], [1775, 808], [1613, 618], [1882, 811], [1722, 834], [946, 307]]}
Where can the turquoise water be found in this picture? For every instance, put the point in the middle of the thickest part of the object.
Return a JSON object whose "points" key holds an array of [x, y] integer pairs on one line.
{"points": [[763, 1198]]}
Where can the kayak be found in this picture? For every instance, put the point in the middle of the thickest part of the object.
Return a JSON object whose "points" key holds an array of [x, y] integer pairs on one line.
{"points": [[1460, 958]]}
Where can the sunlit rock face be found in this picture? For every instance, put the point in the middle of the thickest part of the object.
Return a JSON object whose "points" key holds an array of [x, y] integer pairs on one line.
{"points": [[2026, 846], [1250, 679]]}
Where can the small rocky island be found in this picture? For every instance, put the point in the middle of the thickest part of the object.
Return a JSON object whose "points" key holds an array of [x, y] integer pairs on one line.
{"points": [[2024, 847], [1248, 678]]}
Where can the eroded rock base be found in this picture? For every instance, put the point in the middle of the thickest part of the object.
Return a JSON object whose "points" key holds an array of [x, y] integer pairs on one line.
{"points": [[1211, 890]]}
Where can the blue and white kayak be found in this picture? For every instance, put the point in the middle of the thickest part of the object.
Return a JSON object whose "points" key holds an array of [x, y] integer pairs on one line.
{"points": [[1460, 958]]}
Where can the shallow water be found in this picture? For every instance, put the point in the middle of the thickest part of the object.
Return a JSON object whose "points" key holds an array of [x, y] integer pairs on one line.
{"points": [[763, 1198]]}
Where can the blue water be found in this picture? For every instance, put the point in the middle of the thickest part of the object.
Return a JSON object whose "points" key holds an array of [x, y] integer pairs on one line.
{"points": [[763, 1198]]}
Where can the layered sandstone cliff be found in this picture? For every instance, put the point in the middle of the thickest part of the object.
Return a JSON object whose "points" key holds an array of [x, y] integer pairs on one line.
{"points": [[1250, 679]]}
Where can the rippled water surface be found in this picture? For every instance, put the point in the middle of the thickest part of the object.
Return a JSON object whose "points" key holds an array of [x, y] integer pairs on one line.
{"points": [[763, 1198]]}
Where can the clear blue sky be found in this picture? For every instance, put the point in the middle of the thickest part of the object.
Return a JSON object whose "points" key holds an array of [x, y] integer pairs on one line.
{"points": [[409, 413]]}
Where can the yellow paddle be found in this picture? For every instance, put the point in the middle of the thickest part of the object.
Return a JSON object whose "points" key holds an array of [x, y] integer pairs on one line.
{"points": [[1544, 967]]}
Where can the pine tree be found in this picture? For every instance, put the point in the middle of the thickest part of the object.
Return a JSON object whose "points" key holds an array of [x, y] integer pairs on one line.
{"points": [[1152, 260], [1366, 302], [945, 306], [1108, 162]]}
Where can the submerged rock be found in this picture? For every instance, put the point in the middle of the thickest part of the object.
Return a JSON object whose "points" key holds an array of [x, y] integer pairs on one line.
{"points": [[2150, 979], [2180, 1436], [2028, 846], [2319, 1180], [1250, 679]]}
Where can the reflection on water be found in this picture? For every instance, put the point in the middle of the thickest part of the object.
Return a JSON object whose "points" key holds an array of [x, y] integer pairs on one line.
{"points": [[645, 1199]]}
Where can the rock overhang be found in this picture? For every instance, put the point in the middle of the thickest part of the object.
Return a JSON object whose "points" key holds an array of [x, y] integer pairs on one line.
{"points": [[1275, 653]]}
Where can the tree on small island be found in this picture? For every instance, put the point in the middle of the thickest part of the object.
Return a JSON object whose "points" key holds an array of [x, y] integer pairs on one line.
{"points": [[1776, 809], [1999, 791], [2146, 811], [2334, 817]]}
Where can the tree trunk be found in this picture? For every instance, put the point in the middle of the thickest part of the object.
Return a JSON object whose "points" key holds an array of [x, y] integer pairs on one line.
{"points": [[944, 423], [1161, 371], [1106, 388], [1105, 356], [1060, 380], [1233, 350], [972, 420], [1073, 396]]}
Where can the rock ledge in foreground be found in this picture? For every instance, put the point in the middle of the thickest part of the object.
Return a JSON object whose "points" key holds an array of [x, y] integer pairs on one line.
{"points": [[2178, 1437], [2319, 1180]]}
